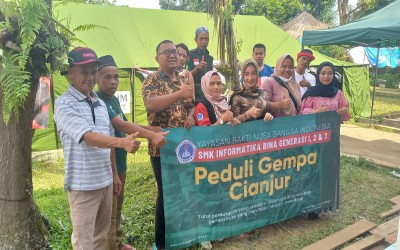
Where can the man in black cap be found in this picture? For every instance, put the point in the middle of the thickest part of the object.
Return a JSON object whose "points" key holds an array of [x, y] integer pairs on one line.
{"points": [[304, 78], [108, 80], [200, 61], [88, 146]]}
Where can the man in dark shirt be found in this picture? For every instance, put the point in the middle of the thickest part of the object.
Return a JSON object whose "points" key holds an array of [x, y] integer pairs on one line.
{"points": [[108, 80], [200, 61]]}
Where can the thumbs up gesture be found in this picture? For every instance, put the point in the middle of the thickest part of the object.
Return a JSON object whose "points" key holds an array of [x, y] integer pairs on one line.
{"points": [[254, 112], [227, 116], [203, 63], [130, 144], [158, 139], [304, 83], [285, 102]]}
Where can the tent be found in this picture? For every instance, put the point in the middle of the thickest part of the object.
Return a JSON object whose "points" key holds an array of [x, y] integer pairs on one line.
{"points": [[380, 29], [131, 36]]}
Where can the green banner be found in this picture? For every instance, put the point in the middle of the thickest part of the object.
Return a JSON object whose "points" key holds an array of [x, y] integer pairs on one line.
{"points": [[220, 181]]}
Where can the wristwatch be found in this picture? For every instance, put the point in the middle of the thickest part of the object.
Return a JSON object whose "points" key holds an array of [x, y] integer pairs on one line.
{"points": [[221, 121]]}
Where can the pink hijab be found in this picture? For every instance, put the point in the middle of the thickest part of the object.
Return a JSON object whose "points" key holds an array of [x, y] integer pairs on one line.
{"points": [[291, 83], [220, 102]]}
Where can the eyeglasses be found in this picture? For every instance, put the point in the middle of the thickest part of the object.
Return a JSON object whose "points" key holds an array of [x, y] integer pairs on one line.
{"points": [[169, 52]]}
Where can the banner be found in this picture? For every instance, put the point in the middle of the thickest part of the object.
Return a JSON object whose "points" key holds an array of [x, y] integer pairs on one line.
{"points": [[220, 181], [124, 98]]}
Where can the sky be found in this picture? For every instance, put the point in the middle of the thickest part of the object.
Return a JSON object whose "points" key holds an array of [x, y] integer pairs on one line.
{"points": [[147, 4]]}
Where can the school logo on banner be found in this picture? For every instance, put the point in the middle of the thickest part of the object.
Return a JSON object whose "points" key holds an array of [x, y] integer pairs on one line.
{"points": [[200, 116], [185, 152]]}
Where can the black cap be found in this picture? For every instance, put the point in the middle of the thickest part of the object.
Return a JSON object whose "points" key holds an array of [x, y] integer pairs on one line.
{"points": [[81, 55], [105, 61]]}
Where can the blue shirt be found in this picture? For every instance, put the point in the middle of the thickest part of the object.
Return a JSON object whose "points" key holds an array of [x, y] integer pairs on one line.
{"points": [[267, 71]]}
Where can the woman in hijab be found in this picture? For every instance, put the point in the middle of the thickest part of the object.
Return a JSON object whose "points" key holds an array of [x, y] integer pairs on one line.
{"points": [[214, 109], [248, 102], [284, 92], [324, 96]]}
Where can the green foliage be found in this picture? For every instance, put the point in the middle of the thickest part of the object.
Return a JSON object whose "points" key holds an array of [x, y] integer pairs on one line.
{"points": [[389, 76], [322, 9], [282, 11], [14, 83], [195, 5], [256, 8], [30, 21], [34, 44], [98, 2], [14, 77], [334, 51]]}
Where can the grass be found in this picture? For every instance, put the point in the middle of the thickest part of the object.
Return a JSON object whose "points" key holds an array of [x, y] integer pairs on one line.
{"points": [[387, 101], [365, 193]]}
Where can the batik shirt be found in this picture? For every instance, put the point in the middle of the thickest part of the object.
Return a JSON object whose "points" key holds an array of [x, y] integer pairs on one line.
{"points": [[159, 84]]}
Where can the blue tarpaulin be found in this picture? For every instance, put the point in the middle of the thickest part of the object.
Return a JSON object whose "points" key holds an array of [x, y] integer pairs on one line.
{"points": [[388, 57]]}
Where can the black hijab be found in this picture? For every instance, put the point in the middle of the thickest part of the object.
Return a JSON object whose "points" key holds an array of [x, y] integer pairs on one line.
{"points": [[321, 89]]}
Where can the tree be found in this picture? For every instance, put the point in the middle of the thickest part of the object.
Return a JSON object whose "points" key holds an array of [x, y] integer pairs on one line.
{"points": [[196, 5], [98, 2], [278, 12], [349, 13], [322, 10], [223, 13], [31, 48]]}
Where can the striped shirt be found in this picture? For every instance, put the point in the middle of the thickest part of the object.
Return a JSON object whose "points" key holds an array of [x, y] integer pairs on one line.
{"points": [[86, 167]]}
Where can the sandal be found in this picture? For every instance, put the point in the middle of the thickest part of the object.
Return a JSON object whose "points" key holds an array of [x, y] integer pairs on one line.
{"points": [[206, 244]]}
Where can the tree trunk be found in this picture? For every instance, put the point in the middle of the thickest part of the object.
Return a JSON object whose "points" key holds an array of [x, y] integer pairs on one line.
{"points": [[343, 12], [232, 54], [21, 226]]}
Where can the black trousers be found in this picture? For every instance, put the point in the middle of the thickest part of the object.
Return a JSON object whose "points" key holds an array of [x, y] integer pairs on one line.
{"points": [[160, 219]]}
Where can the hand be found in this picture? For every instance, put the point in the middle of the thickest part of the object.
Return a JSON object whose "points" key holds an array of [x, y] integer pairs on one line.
{"points": [[186, 91], [342, 111], [202, 64], [254, 112], [117, 185], [304, 83], [130, 144], [320, 109], [227, 116], [268, 117], [158, 139], [184, 75], [155, 129], [285, 102], [189, 122], [235, 122]]}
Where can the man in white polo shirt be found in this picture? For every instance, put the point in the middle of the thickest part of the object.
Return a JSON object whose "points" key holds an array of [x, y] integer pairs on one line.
{"points": [[303, 78], [89, 152]]}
